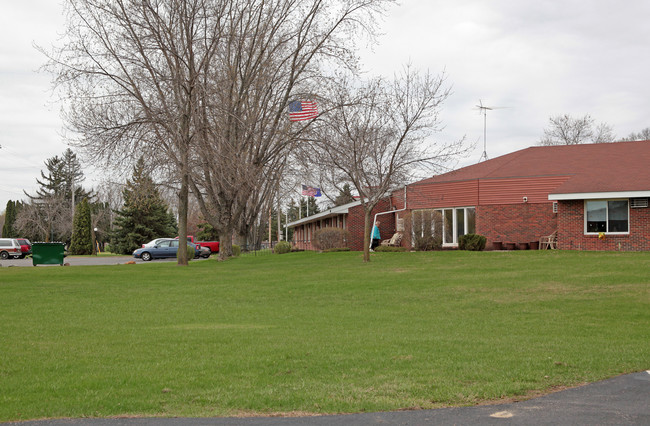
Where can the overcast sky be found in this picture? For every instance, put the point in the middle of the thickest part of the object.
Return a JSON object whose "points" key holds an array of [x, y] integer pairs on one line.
{"points": [[537, 58]]}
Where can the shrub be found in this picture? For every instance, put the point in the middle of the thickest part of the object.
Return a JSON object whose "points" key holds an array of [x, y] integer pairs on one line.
{"points": [[426, 243], [190, 252], [282, 247], [426, 226], [472, 242], [391, 249], [329, 238], [236, 250]]}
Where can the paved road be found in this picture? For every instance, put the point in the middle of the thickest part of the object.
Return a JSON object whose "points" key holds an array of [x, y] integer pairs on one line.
{"points": [[86, 260], [623, 400]]}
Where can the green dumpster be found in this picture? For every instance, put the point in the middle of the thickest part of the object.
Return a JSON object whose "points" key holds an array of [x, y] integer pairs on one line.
{"points": [[47, 253]]}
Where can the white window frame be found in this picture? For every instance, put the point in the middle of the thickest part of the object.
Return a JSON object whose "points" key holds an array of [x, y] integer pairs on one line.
{"points": [[454, 243], [607, 216]]}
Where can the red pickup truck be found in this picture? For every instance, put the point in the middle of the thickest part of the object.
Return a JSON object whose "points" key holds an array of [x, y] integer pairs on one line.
{"points": [[212, 245]]}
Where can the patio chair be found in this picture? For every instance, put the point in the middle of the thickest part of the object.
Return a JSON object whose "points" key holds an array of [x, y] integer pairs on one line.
{"points": [[394, 241], [548, 242]]}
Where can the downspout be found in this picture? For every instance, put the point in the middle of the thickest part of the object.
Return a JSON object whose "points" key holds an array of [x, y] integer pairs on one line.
{"points": [[388, 212]]}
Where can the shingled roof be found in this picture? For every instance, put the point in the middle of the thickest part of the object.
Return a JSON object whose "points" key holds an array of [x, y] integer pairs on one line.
{"points": [[591, 168]]}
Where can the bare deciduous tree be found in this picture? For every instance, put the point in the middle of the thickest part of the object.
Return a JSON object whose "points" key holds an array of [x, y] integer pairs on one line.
{"points": [[566, 130], [202, 86], [274, 52], [643, 135], [378, 134], [131, 71], [42, 218]]}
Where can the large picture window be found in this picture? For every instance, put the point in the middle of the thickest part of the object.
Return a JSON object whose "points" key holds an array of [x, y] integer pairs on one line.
{"points": [[448, 225], [611, 216]]}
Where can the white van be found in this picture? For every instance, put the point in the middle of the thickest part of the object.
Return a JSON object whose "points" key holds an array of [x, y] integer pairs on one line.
{"points": [[9, 247]]}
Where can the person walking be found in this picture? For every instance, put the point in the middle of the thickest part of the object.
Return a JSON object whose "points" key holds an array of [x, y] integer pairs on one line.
{"points": [[376, 239]]}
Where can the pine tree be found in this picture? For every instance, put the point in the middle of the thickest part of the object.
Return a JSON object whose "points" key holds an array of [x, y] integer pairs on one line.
{"points": [[81, 233], [345, 196], [10, 217], [207, 232], [63, 173], [52, 204], [144, 215], [309, 206]]}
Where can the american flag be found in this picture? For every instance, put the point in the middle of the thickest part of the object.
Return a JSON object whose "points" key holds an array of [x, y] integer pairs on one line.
{"points": [[311, 191], [302, 110]]}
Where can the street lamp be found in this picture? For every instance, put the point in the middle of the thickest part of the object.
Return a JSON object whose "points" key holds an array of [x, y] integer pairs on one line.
{"points": [[96, 248]]}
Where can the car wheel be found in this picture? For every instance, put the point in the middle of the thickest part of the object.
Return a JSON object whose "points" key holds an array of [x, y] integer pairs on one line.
{"points": [[206, 255], [4, 255], [146, 256]]}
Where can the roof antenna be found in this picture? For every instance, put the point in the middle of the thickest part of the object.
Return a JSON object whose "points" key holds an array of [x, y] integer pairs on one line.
{"points": [[483, 110]]}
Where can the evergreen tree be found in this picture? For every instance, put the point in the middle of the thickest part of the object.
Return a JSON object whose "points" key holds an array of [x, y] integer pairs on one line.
{"points": [[144, 215], [207, 232], [63, 173], [8, 230], [82, 242], [345, 196], [51, 210], [309, 205]]}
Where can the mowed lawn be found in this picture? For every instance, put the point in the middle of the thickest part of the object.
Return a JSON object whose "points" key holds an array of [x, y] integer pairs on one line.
{"points": [[317, 333]]}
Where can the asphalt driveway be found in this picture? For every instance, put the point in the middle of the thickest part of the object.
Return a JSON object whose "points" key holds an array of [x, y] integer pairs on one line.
{"points": [[87, 260]]}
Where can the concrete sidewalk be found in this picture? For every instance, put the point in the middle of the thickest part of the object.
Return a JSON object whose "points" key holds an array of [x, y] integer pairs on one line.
{"points": [[623, 400]]}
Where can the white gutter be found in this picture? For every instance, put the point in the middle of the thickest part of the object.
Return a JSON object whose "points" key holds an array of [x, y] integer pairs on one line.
{"points": [[388, 212], [598, 195]]}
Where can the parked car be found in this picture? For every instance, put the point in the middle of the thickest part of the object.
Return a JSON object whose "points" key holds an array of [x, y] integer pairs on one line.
{"points": [[25, 247], [212, 245], [205, 252], [10, 247], [164, 247], [154, 242]]}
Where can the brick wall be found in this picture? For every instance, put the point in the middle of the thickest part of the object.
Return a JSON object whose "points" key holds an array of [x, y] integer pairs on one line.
{"points": [[356, 220], [516, 223], [571, 234]]}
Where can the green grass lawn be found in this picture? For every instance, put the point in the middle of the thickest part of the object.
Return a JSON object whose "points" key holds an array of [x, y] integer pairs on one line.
{"points": [[316, 333]]}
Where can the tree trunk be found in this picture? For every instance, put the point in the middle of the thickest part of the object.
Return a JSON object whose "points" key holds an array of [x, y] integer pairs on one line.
{"points": [[366, 235], [225, 243], [183, 195]]}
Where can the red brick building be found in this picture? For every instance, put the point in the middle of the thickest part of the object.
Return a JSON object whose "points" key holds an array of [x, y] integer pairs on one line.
{"points": [[595, 196], [350, 217]]}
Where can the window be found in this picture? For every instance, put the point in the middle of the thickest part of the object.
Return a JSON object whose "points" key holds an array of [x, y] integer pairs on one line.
{"points": [[458, 222], [610, 216], [450, 224]]}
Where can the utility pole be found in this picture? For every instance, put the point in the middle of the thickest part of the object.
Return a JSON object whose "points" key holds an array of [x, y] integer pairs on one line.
{"points": [[72, 197]]}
